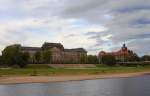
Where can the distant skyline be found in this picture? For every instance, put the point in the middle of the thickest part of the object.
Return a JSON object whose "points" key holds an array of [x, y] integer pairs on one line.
{"points": [[92, 24]]}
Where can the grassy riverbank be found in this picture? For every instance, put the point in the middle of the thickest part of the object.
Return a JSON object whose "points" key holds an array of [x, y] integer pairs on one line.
{"points": [[45, 70]]}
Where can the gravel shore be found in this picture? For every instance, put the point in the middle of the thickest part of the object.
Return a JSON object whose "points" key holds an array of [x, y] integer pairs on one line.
{"points": [[46, 79]]}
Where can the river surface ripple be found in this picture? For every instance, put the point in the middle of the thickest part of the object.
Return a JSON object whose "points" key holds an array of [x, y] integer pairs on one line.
{"points": [[133, 86]]}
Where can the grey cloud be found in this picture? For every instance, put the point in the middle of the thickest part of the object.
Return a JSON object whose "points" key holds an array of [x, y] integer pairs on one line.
{"points": [[140, 46], [126, 20], [71, 35], [128, 16]]}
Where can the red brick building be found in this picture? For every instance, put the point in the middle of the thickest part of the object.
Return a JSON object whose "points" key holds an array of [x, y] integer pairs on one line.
{"points": [[120, 55]]}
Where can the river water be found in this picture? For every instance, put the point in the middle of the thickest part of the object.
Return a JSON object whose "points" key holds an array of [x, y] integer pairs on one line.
{"points": [[133, 86]]}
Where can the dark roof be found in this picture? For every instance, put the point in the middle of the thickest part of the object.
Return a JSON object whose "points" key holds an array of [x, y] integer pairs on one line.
{"points": [[30, 48], [51, 45], [76, 50]]}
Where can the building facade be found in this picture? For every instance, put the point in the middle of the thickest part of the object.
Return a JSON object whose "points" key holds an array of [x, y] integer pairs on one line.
{"points": [[58, 53], [121, 55]]}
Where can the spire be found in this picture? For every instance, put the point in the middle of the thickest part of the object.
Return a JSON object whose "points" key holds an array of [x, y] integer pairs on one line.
{"points": [[124, 47]]}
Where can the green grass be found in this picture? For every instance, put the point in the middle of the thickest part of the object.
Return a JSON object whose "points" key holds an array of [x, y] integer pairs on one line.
{"points": [[44, 70]]}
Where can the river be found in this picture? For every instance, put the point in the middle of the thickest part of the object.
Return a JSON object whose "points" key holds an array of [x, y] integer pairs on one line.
{"points": [[133, 86]]}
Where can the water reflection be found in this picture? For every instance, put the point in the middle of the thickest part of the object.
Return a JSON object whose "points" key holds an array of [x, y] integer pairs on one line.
{"points": [[137, 86]]}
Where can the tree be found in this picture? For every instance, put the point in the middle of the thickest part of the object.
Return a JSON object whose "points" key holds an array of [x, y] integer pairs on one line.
{"points": [[37, 57], [47, 56], [92, 59], [145, 58], [83, 59], [21, 59], [134, 57], [25, 59], [9, 54], [12, 55], [1, 60], [108, 60]]}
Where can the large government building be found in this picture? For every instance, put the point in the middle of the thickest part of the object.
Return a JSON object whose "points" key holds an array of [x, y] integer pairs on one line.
{"points": [[121, 55], [58, 53]]}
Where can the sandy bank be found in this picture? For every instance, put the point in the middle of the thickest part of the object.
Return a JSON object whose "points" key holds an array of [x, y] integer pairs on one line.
{"points": [[45, 79]]}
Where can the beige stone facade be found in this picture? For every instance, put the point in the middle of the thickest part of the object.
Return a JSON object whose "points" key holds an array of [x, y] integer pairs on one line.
{"points": [[59, 54]]}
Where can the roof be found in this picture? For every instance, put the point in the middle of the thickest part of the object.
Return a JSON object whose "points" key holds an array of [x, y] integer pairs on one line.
{"points": [[117, 53], [31, 48], [75, 50], [51, 45], [47, 45]]}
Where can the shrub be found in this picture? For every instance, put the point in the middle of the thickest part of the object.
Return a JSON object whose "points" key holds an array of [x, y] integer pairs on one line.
{"points": [[92, 59], [145, 58], [109, 60]]}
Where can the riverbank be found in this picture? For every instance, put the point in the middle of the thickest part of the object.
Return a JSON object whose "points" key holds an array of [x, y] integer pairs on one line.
{"points": [[48, 79], [44, 73], [46, 70]]}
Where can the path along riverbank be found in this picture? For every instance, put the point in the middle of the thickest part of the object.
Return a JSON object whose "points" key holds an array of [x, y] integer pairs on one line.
{"points": [[46, 79]]}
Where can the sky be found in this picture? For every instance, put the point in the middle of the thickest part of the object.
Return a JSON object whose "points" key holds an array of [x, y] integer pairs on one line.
{"points": [[95, 25]]}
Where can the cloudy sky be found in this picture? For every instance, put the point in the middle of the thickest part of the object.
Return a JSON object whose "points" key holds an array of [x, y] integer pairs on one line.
{"points": [[93, 24]]}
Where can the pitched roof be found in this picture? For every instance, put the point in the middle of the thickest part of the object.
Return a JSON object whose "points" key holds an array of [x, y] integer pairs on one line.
{"points": [[51, 45], [30, 48], [75, 50]]}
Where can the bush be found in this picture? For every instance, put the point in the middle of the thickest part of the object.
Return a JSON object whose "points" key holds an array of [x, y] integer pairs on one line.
{"points": [[21, 59], [92, 59], [109, 60], [145, 58]]}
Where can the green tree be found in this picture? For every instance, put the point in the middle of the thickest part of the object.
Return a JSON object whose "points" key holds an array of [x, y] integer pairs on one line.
{"points": [[145, 58], [83, 59], [1, 60], [47, 56], [38, 57], [135, 57], [25, 59], [12, 55], [9, 54], [92, 59], [21, 59], [108, 60]]}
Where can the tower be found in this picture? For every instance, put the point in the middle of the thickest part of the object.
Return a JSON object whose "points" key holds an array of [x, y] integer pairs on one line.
{"points": [[124, 48], [124, 51]]}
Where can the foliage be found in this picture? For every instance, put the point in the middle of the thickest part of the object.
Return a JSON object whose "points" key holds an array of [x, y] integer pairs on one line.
{"points": [[12, 55], [108, 60], [145, 58], [24, 58], [46, 56], [133, 57], [92, 59], [9, 54], [83, 59], [1, 60], [38, 57]]}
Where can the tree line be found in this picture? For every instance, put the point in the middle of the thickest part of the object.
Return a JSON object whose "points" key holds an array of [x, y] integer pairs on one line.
{"points": [[13, 56], [111, 60]]}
